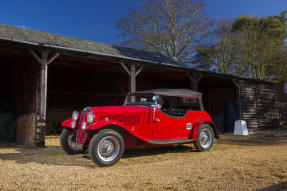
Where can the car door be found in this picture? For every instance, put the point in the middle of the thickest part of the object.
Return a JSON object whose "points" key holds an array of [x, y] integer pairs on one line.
{"points": [[167, 126]]}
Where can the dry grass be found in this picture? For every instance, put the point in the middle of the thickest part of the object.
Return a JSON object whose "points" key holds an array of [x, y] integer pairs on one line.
{"points": [[234, 163]]}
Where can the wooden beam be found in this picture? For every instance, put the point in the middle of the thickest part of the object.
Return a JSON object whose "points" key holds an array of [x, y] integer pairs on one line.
{"points": [[133, 73], [125, 68], [53, 58], [194, 79], [35, 56], [236, 82], [43, 82], [41, 107], [238, 97], [133, 78], [139, 70]]}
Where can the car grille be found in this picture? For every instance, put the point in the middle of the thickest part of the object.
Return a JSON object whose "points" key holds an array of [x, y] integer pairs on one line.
{"points": [[81, 134]]}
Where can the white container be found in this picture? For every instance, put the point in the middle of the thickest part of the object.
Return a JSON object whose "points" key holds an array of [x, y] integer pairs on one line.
{"points": [[240, 128]]}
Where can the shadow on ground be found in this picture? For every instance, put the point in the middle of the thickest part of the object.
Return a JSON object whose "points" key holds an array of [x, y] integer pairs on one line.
{"points": [[275, 187], [131, 153], [54, 155], [262, 139]]}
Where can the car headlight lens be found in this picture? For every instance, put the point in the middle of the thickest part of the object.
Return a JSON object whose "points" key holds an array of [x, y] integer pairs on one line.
{"points": [[90, 117], [75, 115], [84, 125], [73, 124]]}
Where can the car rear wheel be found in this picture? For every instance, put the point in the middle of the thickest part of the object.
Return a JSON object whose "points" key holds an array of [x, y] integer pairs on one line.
{"points": [[205, 138], [106, 147], [67, 141]]}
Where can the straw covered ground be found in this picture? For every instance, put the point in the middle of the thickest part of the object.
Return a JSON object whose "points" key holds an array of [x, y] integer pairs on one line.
{"points": [[256, 162]]}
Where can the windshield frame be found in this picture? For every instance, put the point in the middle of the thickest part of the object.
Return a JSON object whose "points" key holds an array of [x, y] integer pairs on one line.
{"points": [[151, 104], [129, 95]]}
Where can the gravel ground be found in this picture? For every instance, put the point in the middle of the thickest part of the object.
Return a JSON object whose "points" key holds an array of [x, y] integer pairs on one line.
{"points": [[256, 162]]}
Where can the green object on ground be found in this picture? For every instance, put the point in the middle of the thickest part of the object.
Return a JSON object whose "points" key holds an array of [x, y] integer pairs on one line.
{"points": [[7, 127]]}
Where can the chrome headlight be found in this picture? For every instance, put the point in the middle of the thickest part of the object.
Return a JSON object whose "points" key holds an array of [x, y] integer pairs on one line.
{"points": [[84, 125], [90, 117], [75, 115], [73, 124]]}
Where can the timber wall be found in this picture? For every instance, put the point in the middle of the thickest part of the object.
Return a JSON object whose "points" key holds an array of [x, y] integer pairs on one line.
{"points": [[24, 94], [259, 106]]}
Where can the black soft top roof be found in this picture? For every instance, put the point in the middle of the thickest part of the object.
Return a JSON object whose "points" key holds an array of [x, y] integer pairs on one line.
{"points": [[174, 92]]}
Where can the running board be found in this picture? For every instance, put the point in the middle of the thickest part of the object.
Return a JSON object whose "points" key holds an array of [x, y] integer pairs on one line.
{"points": [[169, 141]]}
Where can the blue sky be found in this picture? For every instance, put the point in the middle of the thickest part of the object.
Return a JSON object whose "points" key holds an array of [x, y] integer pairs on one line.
{"points": [[95, 19]]}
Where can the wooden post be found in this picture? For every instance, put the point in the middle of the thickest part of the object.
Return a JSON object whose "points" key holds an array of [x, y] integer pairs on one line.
{"points": [[41, 108], [238, 98], [43, 80], [133, 78], [194, 79], [133, 73]]}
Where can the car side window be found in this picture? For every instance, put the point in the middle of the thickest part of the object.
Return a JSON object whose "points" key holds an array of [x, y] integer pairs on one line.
{"points": [[178, 106], [191, 104]]}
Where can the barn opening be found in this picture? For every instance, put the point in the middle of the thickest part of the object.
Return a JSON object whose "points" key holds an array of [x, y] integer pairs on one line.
{"points": [[159, 77], [7, 108], [75, 83], [220, 101], [18, 86]]}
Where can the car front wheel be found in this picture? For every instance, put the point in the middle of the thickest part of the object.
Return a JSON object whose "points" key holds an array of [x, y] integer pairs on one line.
{"points": [[67, 141], [106, 147], [205, 138]]}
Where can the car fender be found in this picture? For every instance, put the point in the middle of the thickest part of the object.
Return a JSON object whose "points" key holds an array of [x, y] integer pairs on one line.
{"points": [[67, 123], [113, 124], [198, 123]]}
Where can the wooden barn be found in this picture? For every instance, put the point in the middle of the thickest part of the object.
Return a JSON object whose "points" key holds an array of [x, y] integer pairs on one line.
{"points": [[44, 77], [282, 100]]}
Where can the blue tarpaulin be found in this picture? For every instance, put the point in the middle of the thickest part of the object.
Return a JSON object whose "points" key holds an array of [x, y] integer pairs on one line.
{"points": [[226, 118]]}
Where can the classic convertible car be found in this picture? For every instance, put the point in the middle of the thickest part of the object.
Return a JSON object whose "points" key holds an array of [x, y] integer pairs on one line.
{"points": [[147, 119]]}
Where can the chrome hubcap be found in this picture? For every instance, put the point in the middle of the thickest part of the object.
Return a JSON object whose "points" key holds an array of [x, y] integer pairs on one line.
{"points": [[108, 148], [205, 138]]}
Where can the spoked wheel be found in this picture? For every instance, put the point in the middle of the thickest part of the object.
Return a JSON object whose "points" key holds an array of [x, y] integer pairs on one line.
{"points": [[68, 144], [106, 147], [205, 138]]}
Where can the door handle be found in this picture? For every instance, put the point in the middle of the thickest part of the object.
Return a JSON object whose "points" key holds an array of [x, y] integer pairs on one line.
{"points": [[157, 120]]}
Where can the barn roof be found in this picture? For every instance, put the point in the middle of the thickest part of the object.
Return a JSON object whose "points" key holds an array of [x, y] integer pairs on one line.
{"points": [[59, 42], [53, 40]]}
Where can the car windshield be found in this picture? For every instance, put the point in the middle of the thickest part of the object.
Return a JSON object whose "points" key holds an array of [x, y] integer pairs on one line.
{"points": [[165, 103], [139, 99]]}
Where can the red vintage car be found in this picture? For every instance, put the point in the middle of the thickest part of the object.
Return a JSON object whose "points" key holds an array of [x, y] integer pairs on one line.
{"points": [[147, 119]]}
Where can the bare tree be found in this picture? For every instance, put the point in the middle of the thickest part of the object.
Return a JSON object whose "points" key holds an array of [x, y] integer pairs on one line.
{"points": [[169, 27], [218, 54]]}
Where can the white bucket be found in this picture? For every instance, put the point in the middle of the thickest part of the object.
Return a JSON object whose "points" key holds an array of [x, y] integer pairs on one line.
{"points": [[240, 128]]}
